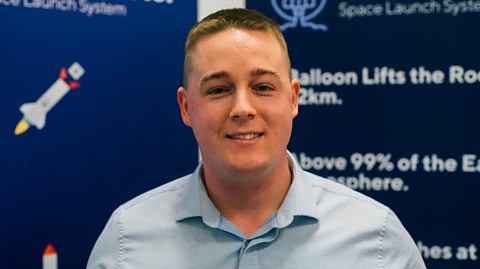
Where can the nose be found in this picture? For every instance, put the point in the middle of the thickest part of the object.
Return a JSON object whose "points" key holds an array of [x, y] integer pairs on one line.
{"points": [[242, 106]]}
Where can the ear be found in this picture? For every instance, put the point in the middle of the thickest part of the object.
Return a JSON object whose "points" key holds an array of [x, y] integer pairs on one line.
{"points": [[183, 104], [295, 92]]}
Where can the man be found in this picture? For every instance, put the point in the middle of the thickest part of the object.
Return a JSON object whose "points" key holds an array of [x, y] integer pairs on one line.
{"points": [[248, 204]]}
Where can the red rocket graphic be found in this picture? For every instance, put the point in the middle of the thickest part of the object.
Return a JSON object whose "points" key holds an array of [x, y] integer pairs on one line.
{"points": [[50, 258]]}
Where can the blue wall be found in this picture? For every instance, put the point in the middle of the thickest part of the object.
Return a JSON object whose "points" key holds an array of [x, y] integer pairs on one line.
{"points": [[120, 133], [116, 136], [409, 139]]}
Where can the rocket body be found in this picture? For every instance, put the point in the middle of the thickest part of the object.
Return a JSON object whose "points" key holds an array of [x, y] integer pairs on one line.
{"points": [[35, 113]]}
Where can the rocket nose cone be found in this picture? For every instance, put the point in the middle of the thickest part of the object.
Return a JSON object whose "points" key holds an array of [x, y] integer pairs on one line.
{"points": [[49, 250]]}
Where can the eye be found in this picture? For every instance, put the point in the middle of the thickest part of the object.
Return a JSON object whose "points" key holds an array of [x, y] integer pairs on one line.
{"points": [[264, 88], [217, 90]]}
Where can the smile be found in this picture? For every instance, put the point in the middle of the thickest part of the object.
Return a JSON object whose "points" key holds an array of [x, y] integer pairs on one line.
{"points": [[245, 136]]}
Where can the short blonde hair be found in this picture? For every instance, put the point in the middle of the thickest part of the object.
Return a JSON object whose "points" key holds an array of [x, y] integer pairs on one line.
{"points": [[226, 19]]}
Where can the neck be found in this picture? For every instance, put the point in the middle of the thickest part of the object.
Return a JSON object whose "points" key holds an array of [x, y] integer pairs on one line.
{"points": [[248, 199]]}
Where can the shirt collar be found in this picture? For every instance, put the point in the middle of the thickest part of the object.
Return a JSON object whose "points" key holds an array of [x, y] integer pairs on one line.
{"points": [[196, 203], [299, 201]]}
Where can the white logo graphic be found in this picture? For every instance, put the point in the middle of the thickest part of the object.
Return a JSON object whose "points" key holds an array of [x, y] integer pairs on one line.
{"points": [[302, 11], [160, 1]]}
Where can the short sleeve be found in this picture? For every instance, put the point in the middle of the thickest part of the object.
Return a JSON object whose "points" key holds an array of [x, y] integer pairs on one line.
{"points": [[106, 253], [397, 249]]}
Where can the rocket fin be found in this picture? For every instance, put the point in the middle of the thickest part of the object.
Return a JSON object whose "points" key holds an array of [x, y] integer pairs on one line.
{"points": [[41, 121], [25, 108], [74, 85], [63, 73], [33, 114]]}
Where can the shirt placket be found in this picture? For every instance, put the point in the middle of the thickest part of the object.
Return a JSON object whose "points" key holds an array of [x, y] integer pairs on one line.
{"points": [[248, 254], [247, 257]]}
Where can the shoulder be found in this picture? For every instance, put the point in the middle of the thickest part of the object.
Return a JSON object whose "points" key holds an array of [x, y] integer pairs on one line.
{"points": [[333, 192], [161, 200], [334, 199], [147, 214], [340, 207], [363, 222]]}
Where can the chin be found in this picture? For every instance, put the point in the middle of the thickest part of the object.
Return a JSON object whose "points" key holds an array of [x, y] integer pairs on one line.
{"points": [[248, 164]]}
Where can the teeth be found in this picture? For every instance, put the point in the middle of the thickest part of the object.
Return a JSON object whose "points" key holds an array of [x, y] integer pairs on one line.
{"points": [[245, 136]]}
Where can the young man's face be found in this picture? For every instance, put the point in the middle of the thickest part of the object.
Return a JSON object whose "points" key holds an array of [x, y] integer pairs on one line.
{"points": [[240, 101]]}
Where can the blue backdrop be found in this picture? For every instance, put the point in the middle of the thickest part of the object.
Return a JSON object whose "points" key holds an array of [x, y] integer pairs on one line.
{"points": [[116, 136], [391, 89], [388, 107]]}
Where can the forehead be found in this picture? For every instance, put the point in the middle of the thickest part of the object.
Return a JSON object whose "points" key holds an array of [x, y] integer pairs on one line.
{"points": [[235, 29], [237, 50]]}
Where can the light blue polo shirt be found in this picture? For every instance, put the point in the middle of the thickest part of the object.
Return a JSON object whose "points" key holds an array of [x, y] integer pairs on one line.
{"points": [[320, 224]]}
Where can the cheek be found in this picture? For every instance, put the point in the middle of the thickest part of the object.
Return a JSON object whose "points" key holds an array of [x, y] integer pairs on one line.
{"points": [[281, 117], [205, 119], [281, 109]]}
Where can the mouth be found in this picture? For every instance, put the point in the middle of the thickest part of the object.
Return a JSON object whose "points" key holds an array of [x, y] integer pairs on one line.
{"points": [[248, 136]]}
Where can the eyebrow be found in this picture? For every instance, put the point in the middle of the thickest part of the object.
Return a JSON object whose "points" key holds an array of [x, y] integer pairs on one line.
{"points": [[261, 71], [257, 72], [216, 75]]}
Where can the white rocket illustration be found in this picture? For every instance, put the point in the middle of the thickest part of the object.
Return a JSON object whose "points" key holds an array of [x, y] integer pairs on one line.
{"points": [[35, 113], [50, 258]]}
